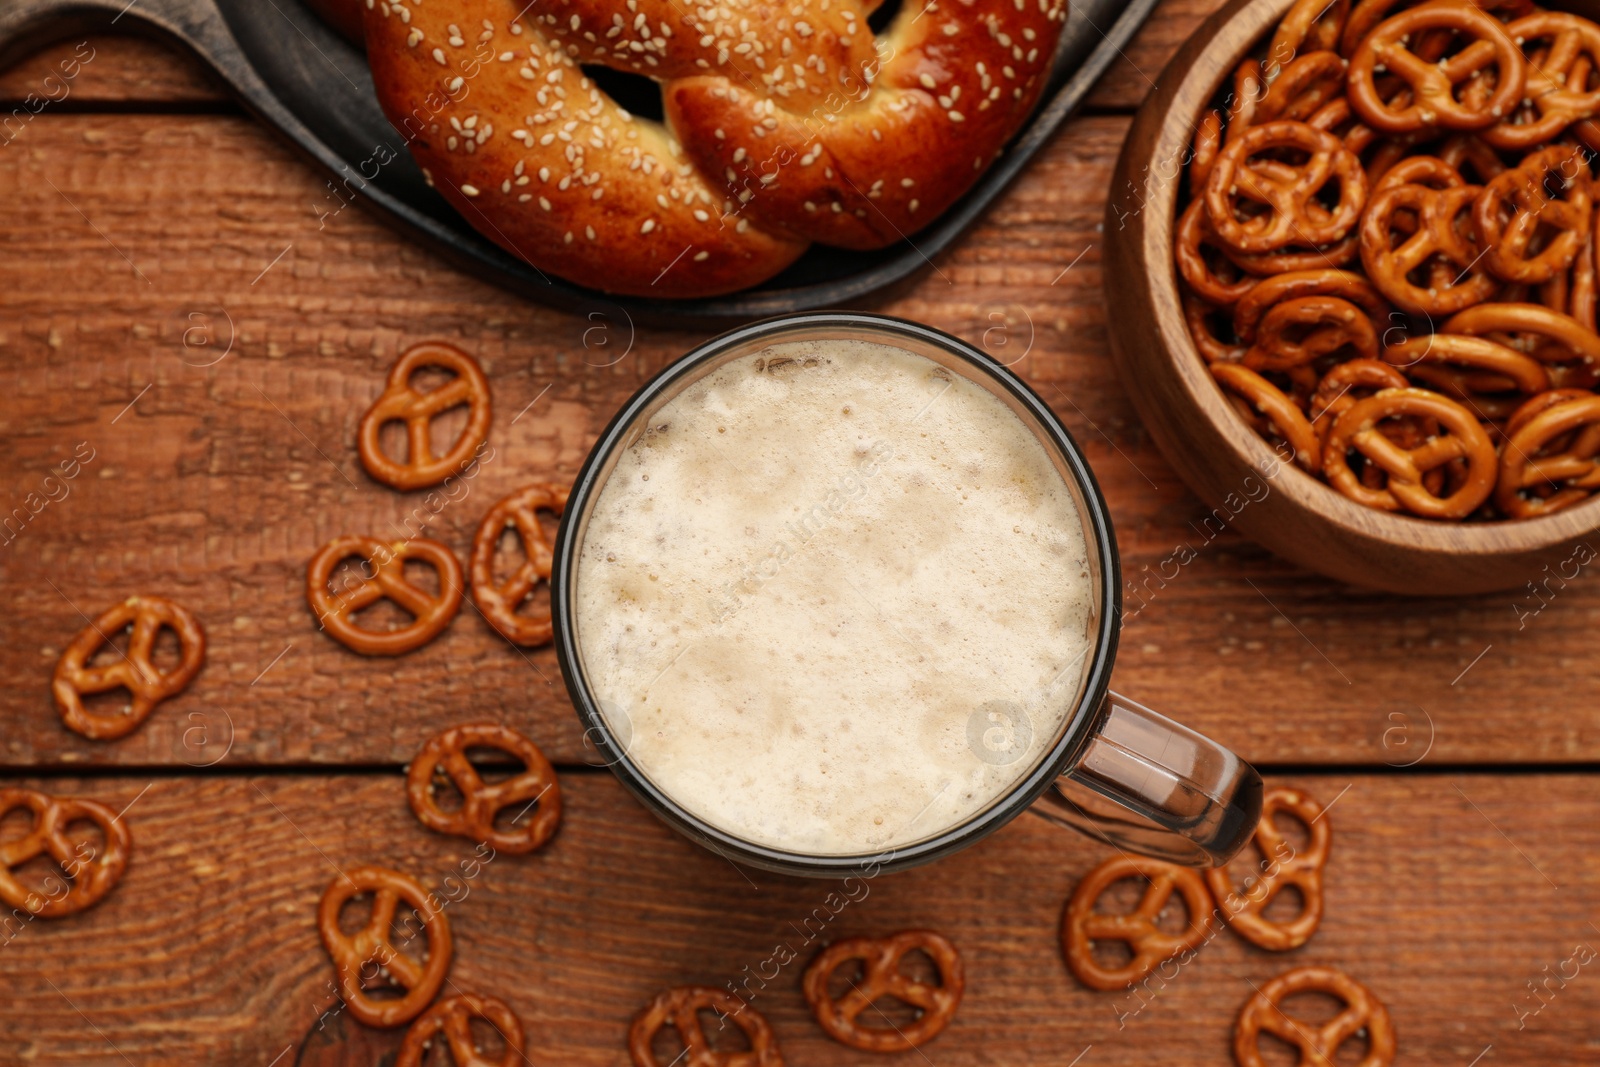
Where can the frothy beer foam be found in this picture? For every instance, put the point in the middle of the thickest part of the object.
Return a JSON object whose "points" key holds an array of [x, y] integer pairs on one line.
{"points": [[835, 599]]}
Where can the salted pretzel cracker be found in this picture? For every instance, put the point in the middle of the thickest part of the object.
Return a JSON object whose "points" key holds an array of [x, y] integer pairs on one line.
{"points": [[1282, 413], [1309, 26], [1302, 87], [384, 578], [91, 873], [1542, 333], [1202, 319], [1527, 464], [402, 402], [500, 601], [451, 1019], [135, 670], [1298, 332], [1245, 912], [1557, 81], [680, 1009], [1404, 489], [370, 953], [880, 960], [1517, 207], [1148, 945], [1336, 391], [535, 788], [1214, 278], [1290, 285], [1440, 244], [1433, 101], [1286, 191], [1317, 1043]]}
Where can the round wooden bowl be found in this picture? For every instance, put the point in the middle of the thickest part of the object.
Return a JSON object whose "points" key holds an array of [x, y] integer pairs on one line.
{"points": [[1226, 463]]}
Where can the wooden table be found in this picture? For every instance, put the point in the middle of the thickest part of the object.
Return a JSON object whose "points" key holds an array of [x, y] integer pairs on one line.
{"points": [[183, 296]]}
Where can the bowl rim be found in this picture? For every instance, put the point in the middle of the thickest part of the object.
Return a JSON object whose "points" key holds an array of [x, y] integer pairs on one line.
{"points": [[1174, 137]]}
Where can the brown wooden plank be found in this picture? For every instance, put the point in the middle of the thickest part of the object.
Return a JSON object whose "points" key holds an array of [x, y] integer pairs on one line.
{"points": [[1137, 70], [215, 484], [207, 951], [99, 69]]}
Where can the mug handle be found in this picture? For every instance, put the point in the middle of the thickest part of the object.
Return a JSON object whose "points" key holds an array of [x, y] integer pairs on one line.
{"points": [[1147, 784]]}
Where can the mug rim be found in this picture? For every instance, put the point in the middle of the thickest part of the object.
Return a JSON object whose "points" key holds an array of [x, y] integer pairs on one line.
{"points": [[1074, 736]]}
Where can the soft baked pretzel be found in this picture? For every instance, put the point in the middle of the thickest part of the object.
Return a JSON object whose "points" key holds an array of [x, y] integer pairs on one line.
{"points": [[786, 123]]}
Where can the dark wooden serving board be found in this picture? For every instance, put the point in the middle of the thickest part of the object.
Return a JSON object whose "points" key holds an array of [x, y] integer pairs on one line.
{"points": [[296, 74]]}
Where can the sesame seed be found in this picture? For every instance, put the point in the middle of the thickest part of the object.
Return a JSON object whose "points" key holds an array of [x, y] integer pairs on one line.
{"points": [[470, 190], [649, 224]]}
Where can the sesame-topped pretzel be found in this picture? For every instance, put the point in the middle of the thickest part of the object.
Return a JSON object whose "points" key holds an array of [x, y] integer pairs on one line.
{"points": [[786, 123]]}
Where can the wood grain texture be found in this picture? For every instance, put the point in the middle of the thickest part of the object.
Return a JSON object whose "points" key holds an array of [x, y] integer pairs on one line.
{"points": [[1138, 71], [207, 951], [99, 70], [190, 301], [218, 482]]}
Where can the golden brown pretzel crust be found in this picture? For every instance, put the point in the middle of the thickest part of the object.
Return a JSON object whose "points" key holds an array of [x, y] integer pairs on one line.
{"points": [[1148, 945], [866, 168], [372, 950], [1316, 1043], [499, 601], [90, 874], [400, 402], [444, 757], [786, 123], [682, 1008], [383, 577], [880, 959], [1281, 865], [146, 684], [450, 1020], [584, 189]]}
